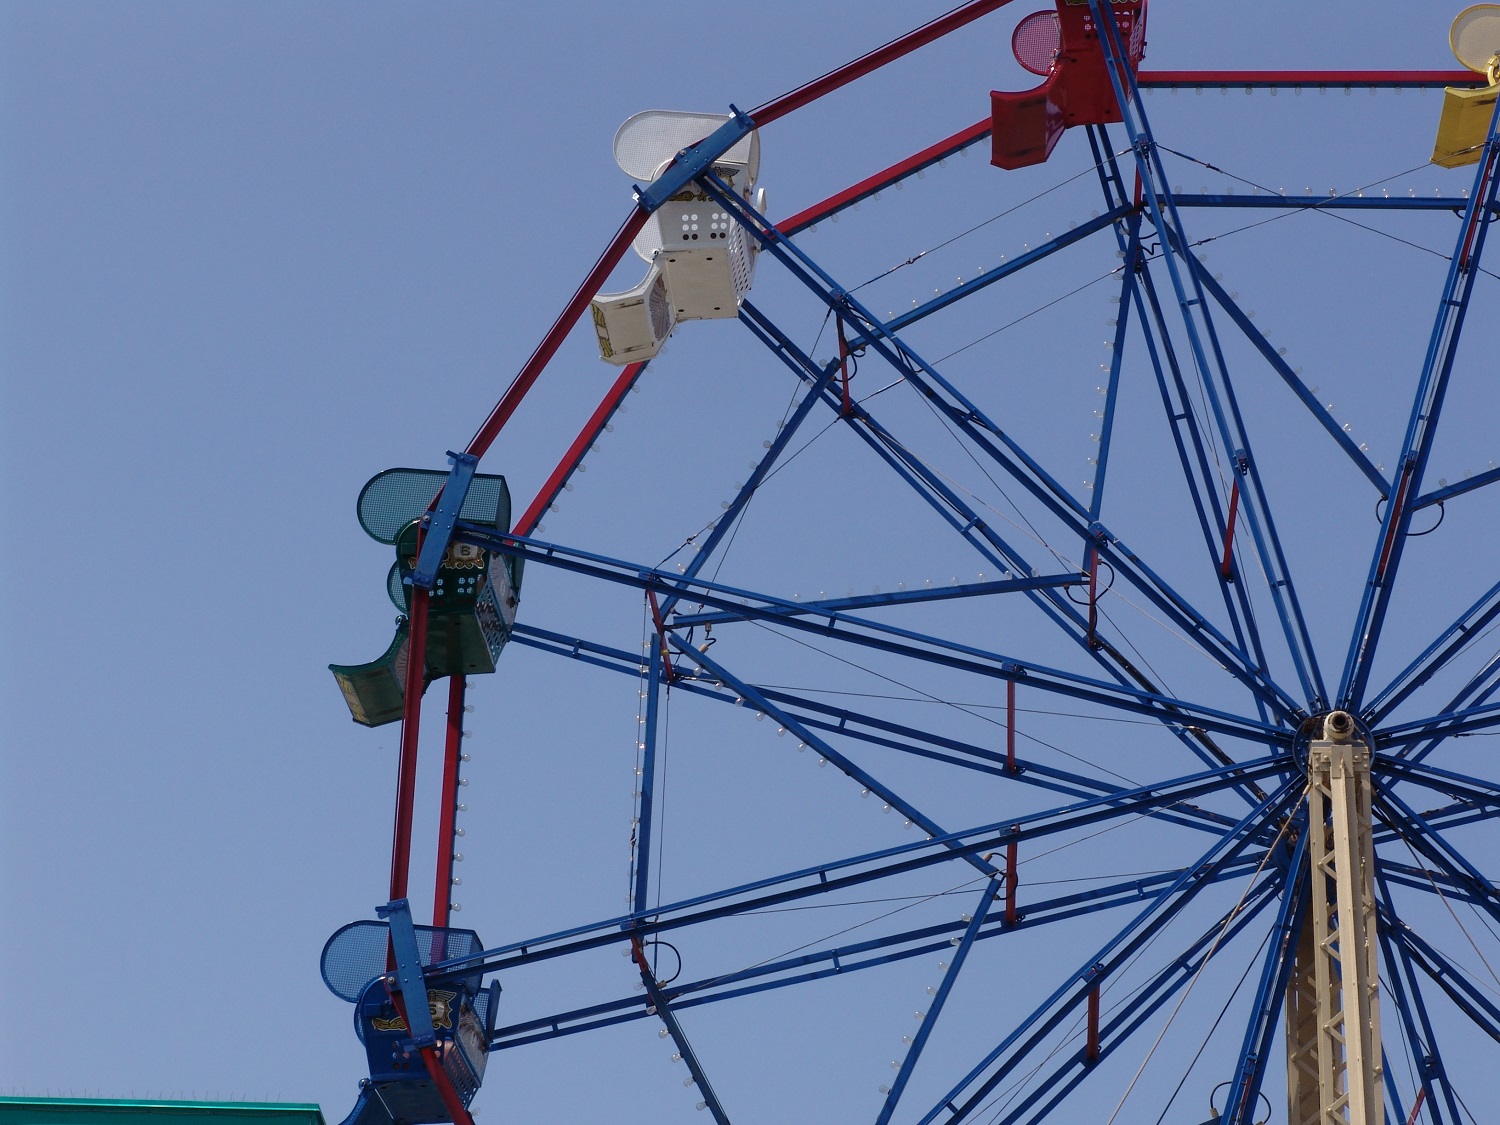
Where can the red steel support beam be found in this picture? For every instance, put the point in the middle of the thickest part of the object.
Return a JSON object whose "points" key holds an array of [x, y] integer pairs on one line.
{"points": [[883, 179], [1091, 1051], [1226, 568], [1010, 884], [581, 444], [874, 60], [451, 1101], [406, 778], [507, 405], [442, 887]]}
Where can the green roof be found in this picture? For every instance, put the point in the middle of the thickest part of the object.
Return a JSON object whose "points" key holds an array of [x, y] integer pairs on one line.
{"points": [[91, 1111]]}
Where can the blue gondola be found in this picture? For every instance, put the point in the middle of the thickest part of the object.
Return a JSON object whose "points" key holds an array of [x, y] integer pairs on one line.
{"points": [[400, 1091]]}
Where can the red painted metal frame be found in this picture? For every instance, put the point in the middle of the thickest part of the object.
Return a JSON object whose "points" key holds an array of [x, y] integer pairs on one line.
{"points": [[869, 186], [406, 778], [1091, 1050], [585, 293], [586, 438], [451, 1101], [1010, 884], [874, 60], [1226, 567], [442, 887], [1410, 79]]}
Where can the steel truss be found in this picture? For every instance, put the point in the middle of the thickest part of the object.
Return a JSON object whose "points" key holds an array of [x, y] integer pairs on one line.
{"points": [[1321, 849]]}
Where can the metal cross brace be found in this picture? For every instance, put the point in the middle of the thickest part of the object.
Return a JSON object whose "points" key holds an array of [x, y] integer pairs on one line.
{"points": [[440, 521], [410, 980]]}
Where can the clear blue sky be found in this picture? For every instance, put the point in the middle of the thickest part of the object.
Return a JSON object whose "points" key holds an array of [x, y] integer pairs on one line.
{"points": [[251, 254]]}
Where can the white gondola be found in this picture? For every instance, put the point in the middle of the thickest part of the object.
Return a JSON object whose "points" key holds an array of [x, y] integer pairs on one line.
{"points": [[702, 261]]}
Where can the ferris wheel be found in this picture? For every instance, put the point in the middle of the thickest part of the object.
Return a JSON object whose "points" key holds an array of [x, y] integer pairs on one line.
{"points": [[1044, 724]]}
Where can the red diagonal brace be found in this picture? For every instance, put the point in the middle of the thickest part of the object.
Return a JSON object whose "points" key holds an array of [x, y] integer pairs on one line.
{"points": [[661, 637], [451, 1101], [1011, 916], [844, 367], [1226, 568], [1091, 1051]]}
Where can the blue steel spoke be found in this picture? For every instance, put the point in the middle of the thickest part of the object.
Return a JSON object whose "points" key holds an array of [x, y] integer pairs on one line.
{"points": [[1141, 1006], [1214, 378], [871, 634], [1270, 994], [1212, 520], [1197, 473], [1455, 815], [641, 838], [895, 597], [1428, 881], [929, 1020], [1112, 388], [977, 531], [1401, 980], [1416, 446], [1034, 1028], [1422, 837], [1449, 491], [1473, 789], [1448, 644], [809, 967], [1444, 725], [989, 277], [992, 440], [661, 1008], [777, 890], [1466, 996], [870, 729], [726, 521], [845, 765], [1475, 692]]}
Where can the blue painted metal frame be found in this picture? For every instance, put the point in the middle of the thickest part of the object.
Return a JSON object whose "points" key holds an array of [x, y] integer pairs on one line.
{"points": [[929, 1018], [661, 1007], [873, 634], [1051, 1089], [1046, 1017], [821, 964], [1197, 472], [1416, 446], [1400, 978], [992, 440], [1203, 341], [852, 724], [641, 880], [439, 524], [1255, 1052], [972, 526], [694, 160], [886, 863]]}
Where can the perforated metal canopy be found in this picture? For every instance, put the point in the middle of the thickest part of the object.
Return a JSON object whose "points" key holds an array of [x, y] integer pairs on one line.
{"points": [[1475, 36], [393, 498], [355, 954], [1036, 40]]}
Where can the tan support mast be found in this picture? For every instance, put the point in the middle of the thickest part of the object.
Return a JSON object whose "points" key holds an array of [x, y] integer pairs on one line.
{"points": [[1334, 1065]]}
